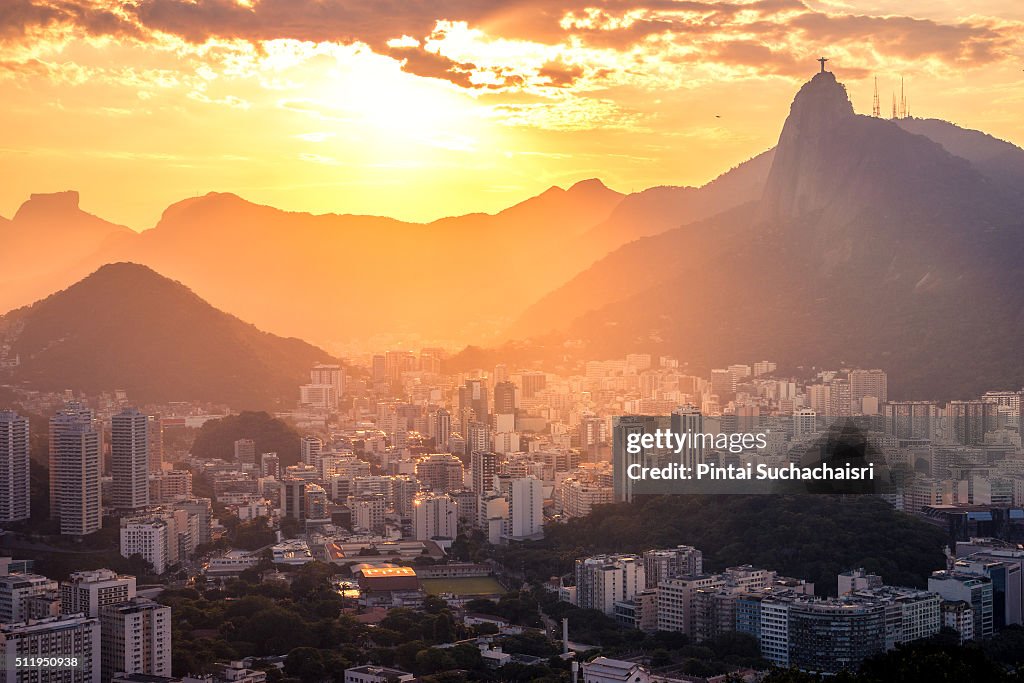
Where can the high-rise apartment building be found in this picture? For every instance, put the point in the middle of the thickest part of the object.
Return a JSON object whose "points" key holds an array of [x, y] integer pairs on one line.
{"points": [[129, 459], [86, 592], [967, 422], [578, 496], [316, 506], [15, 592], [972, 589], [868, 383], [603, 580], [526, 508], [328, 374], [270, 465], [434, 515], [483, 465], [505, 398], [440, 472], [75, 450], [202, 508], [672, 563], [150, 538], [478, 437], [155, 431], [688, 419], [310, 449], [15, 503], [320, 396], [62, 637], [473, 395], [533, 383], [245, 451], [135, 638], [368, 512], [840, 399], [442, 428], [293, 497]]}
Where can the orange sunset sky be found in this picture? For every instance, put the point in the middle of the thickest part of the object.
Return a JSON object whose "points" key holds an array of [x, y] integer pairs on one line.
{"points": [[419, 109]]}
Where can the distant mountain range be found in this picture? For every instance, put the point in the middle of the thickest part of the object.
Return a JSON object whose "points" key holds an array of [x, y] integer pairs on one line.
{"points": [[856, 240], [341, 277], [126, 327], [894, 244]]}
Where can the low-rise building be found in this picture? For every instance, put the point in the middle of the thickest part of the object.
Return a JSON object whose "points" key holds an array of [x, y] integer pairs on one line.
{"points": [[376, 674]]}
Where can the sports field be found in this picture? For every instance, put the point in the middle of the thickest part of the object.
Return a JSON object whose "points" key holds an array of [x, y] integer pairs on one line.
{"points": [[473, 585]]}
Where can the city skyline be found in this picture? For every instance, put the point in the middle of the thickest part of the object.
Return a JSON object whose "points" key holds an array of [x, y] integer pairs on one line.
{"points": [[669, 341]]}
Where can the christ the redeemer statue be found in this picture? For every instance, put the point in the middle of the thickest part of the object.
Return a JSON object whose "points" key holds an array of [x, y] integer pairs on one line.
{"points": [[822, 60]]}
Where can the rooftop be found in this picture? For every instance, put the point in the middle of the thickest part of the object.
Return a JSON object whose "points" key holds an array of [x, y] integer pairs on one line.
{"points": [[381, 572]]}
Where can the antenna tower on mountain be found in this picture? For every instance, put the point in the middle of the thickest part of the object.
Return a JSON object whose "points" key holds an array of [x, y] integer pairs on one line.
{"points": [[876, 109]]}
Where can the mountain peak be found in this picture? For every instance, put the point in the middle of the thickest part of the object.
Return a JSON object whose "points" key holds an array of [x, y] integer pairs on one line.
{"points": [[211, 201], [173, 346], [48, 204], [820, 101], [820, 116], [588, 185], [124, 269]]}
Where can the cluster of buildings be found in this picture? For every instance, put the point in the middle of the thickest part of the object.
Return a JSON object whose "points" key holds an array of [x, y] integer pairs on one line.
{"points": [[111, 466], [559, 428], [397, 456], [94, 625], [667, 590]]}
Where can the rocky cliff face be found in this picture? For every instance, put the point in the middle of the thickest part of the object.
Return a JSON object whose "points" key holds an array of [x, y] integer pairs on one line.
{"points": [[802, 177]]}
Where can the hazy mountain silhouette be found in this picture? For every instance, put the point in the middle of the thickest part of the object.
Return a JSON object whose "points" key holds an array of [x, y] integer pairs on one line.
{"points": [[658, 209], [127, 327], [47, 241], [871, 245], [336, 277], [1000, 161]]}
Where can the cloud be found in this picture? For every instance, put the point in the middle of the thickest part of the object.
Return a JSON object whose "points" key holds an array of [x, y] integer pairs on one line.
{"points": [[545, 45], [18, 17], [961, 44], [559, 74]]}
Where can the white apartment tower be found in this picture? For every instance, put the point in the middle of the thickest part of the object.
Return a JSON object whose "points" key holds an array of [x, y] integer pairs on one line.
{"points": [[149, 538], [603, 580], [526, 508], [129, 459], [434, 515], [86, 592], [135, 638], [65, 636], [75, 448]]}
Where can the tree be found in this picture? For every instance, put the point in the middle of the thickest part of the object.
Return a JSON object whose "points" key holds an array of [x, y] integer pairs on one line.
{"points": [[274, 631], [216, 438], [433, 604], [432, 660], [305, 663]]}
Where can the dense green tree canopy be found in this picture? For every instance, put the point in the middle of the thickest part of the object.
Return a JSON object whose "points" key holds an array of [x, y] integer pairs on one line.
{"points": [[216, 438]]}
